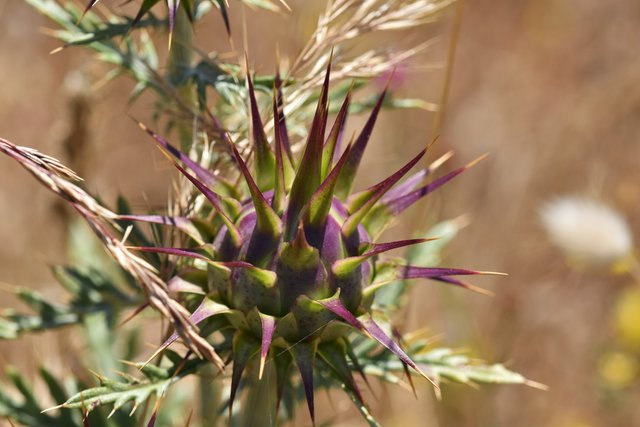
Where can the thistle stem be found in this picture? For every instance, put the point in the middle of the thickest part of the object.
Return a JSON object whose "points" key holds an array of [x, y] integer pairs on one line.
{"points": [[258, 409], [209, 396], [180, 57]]}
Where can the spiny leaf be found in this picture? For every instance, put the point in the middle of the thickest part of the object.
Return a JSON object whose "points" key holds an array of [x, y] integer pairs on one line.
{"points": [[446, 363], [118, 394], [364, 411]]}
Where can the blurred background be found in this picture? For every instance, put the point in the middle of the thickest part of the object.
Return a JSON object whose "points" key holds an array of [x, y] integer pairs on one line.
{"points": [[548, 87]]}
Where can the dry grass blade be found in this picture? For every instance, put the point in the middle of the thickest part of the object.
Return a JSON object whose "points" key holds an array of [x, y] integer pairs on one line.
{"points": [[345, 20], [54, 175]]}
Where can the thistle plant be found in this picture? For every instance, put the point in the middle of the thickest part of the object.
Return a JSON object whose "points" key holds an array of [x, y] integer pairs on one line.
{"points": [[270, 268]]}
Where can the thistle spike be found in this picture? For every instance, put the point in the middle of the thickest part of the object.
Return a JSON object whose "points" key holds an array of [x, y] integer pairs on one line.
{"points": [[347, 265], [144, 8], [87, 8], [335, 136], [372, 329], [320, 204], [356, 364], [335, 305], [268, 224], [379, 335], [215, 200], [398, 337], [173, 9], [282, 121], [363, 202], [265, 160], [282, 362], [334, 355], [205, 310], [348, 174], [243, 349], [407, 272], [284, 169], [304, 354], [268, 324], [181, 223], [307, 178], [460, 283], [411, 182], [399, 204], [225, 16], [201, 173]]}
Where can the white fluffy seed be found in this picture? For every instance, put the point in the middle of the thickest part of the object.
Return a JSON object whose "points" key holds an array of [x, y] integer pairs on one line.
{"points": [[586, 230]]}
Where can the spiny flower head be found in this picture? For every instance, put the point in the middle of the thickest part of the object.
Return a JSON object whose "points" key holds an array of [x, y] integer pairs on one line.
{"points": [[291, 267]]}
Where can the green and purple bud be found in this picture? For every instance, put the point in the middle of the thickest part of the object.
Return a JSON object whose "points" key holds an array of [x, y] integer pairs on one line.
{"points": [[292, 267]]}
